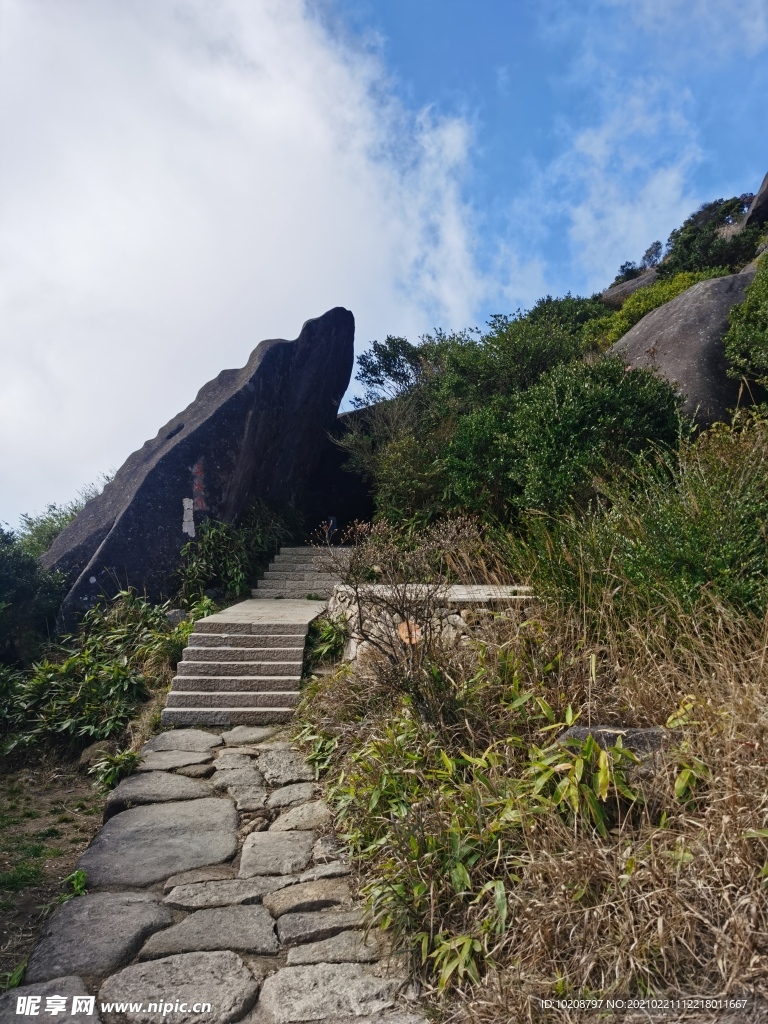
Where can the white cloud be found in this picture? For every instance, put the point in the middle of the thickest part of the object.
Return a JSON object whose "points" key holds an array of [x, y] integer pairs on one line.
{"points": [[721, 27], [181, 180]]}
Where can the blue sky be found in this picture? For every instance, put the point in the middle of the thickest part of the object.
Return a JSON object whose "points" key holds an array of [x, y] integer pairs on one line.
{"points": [[575, 105], [182, 179]]}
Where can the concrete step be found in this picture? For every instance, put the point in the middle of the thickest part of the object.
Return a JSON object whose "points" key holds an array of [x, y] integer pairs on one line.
{"points": [[248, 628], [232, 698], [225, 716], [280, 575], [272, 654], [293, 641], [282, 593], [242, 684], [239, 668]]}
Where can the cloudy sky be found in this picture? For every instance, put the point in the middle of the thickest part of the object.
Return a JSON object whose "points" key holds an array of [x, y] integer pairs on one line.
{"points": [[182, 178]]}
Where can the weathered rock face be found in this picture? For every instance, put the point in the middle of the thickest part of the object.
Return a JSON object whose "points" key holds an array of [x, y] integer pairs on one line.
{"points": [[758, 211], [616, 295], [684, 340], [254, 432]]}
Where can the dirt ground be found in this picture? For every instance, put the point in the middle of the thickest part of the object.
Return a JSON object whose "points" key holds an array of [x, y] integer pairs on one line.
{"points": [[49, 812]]}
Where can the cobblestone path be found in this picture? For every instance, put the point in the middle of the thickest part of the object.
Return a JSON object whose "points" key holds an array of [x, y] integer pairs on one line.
{"points": [[215, 880]]}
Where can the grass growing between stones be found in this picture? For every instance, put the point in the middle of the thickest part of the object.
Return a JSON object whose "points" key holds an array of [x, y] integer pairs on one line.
{"points": [[48, 815], [512, 869]]}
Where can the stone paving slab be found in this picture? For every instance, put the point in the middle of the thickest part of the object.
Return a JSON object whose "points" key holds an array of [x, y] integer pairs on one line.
{"points": [[162, 760], [297, 793], [280, 767], [345, 948], [109, 929], [66, 987], [226, 893], [244, 734], [250, 929], [212, 873], [183, 739], [219, 978], [314, 815], [271, 853], [317, 895], [323, 992], [147, 844], [293, 929], [152, 788]]}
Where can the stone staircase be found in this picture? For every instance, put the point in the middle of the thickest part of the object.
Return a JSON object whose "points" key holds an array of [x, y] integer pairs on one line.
{"points": [[297, 573], [243, 666], [238, 673]]}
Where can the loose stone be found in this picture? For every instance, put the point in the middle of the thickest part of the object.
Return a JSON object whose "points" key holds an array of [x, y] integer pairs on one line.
{"points": [[270, 853], [298, 793], [247, 734], [162, 760], [212, 873], [334, 869], [150, 788], [221, 979], [281, 767], [314, 815], [323, 992], [345, 948], [247, 928], [293, 929], [318, 895], [225, 893], [67, 987], [95, 934], [183, 739], [148, 844]]}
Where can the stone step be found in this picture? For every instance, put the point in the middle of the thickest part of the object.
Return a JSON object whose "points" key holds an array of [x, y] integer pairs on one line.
{"points": [[226, 716], [271, 654], [248, 628], [239, 668], [252, 684], [232, 698], [294, 586], [284, 594], [292, 641], [279, 575]]}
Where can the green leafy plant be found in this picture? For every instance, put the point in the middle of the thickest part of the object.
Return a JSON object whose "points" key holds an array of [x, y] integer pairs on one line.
{"points": [[746, 341], [14, 978], [325, 639], [228, 556], [111, 768]]}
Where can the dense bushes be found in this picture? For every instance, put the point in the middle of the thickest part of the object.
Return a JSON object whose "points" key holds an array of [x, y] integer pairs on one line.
{"points": [[91, 684], [29, 601], [746, 343], [712, 237], [227, 556]]}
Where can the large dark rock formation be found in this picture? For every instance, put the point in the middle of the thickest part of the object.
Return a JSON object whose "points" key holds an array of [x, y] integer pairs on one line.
{"points": [[684, 340], [255, 432]]}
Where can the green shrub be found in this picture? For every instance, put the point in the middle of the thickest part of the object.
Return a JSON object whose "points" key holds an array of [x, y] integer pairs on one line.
{"points": [[111, 768], [325, 640], [602, 333], [746, 342], [228, 556], [29, 601], [708, 239], [676, 531], [82, 696], [580, 421]]}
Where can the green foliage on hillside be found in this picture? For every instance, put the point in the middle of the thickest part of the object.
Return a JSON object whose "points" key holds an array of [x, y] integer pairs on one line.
{"points": [[709, 239], [608, 329], [29, 602], [746, 343]]}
